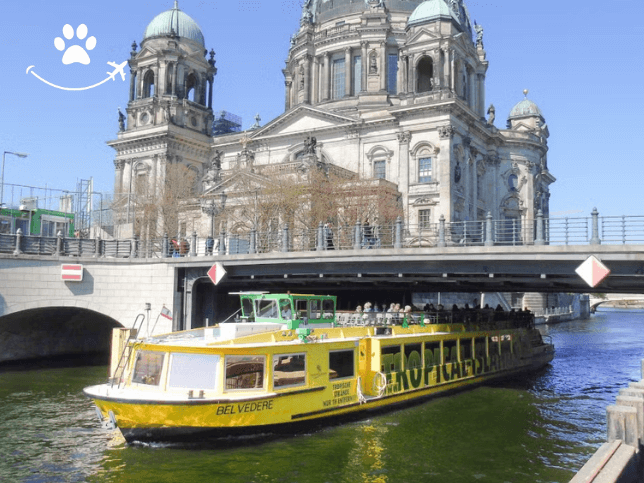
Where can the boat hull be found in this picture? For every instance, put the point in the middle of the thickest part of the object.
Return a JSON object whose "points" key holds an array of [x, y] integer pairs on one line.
{"points": [[277, 414]]}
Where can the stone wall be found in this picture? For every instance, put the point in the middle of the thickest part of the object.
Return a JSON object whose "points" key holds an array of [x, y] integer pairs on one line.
{"points": [[118, 289]]}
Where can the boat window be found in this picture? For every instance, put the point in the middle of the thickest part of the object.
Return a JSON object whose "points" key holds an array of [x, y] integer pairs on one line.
{"points": [[285, 309], [341, 364], [479, 345], [412, 356], [390, 359], [300, 308], [328, 308], [193, 371], [266, 309], [315, 309], [506, 344], [289, 370], [466, 349], [247, 307], [450, 354], [494, 345], [432, 354], [245, 372], [148, 368]]}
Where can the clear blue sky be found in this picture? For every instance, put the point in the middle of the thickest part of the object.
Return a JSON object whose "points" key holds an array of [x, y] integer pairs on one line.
{"points": [[581, 61]]}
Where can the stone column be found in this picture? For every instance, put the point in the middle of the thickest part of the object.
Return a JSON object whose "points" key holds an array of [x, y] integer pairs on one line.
{"points": [[403, 178], [307, 80], [118, 176], [132, 84], [481, 96], [452, 74], [446, 135], [400, 78], [287, 94], [327, 74], [365, 66], [139, 79], [383, 66], [175, 69], [473, 98], [347, 72], [315, 82], [211, 81]]}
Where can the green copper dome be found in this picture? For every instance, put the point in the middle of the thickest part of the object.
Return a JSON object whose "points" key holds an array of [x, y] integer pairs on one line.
{"points": [[525, 108], [448, 9], [174, 22], [430, 10]]}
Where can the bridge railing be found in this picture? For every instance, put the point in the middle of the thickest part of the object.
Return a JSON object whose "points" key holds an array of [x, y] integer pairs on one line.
{"points": [[488, 232]]}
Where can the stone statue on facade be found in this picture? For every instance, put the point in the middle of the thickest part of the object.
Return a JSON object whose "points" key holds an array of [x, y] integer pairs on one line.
{"points": [[307, 15], [373, 64], [479, 35], [301, 73], [213, 173], [374, 3], [492, 115], [121, 121], [310, 145]]}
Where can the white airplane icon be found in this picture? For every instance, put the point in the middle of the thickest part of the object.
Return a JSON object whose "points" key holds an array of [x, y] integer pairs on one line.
{"points": [[118, 69]]}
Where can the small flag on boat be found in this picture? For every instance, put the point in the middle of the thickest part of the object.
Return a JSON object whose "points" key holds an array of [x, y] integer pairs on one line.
{"points": [[165, 312]]}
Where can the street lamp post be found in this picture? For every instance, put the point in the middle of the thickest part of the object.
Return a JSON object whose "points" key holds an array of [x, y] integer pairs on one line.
{"points": [[20, 155], [211, 208]]}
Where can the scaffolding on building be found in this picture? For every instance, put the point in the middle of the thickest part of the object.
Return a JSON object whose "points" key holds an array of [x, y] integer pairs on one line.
{"points": [[225, 123]]}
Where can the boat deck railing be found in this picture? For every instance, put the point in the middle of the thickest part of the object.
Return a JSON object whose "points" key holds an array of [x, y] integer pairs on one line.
{"points": [[472, 319]]}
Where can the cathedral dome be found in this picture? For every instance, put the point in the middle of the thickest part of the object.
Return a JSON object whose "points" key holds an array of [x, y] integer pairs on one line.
{"points": [[448, 9], [430, 10], [174, 22], [525, 108], [325, 10]]}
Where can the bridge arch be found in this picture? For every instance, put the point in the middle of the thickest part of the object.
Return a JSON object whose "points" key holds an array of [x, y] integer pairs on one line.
{"points": [[55, 332]]}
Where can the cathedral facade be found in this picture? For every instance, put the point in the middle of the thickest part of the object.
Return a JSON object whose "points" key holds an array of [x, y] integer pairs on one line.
{"points": [[388, 92]]}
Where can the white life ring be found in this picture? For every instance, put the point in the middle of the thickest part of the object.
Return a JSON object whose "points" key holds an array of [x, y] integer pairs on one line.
{"points": [[379, 384]]}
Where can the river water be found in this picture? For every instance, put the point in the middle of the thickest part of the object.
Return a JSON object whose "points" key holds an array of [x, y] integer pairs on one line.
{"points": [[540, 429]]}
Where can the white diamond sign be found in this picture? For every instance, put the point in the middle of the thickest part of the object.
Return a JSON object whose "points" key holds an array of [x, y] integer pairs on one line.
{"points": [[592, 271], [216, 273]]}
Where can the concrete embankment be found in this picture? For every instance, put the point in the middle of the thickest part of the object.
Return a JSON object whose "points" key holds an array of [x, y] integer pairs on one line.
{"points": [[620, 459]]}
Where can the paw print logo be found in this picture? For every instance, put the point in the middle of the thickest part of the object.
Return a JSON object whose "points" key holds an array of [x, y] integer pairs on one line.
{"points": [[75, 53]]}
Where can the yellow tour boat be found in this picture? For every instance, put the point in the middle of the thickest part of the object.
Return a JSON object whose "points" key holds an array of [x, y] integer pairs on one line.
{"points": [[289, 362]]}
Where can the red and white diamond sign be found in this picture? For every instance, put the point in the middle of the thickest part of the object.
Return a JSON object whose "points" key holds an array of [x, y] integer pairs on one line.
{"points": [[71, 272], [216, 273], [592, 271]]}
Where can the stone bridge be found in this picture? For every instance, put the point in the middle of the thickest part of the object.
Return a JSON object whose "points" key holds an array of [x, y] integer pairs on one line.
{"points": [[40, 314], [617, 300]]}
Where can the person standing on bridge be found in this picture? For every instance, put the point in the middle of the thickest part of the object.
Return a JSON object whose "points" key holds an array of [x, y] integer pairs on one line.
{"points": [[328, 236]]}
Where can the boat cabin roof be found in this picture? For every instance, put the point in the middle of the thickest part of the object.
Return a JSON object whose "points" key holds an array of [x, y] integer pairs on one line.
{"points": [[287, 308]]}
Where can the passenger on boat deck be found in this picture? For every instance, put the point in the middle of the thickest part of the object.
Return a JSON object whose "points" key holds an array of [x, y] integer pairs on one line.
{"points": [[431, 308], [392, 308], [454, 308], [397, 308], [367, 307], [499, 308], [359, 309], [376, 308]]}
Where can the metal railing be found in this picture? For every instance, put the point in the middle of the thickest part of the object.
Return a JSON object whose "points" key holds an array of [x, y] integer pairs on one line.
{"points": [[591, 230]]}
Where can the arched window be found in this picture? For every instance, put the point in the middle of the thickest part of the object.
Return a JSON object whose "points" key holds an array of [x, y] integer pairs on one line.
{"points": [[191, 87], [148, 84], [424, 74], [169, 78]]}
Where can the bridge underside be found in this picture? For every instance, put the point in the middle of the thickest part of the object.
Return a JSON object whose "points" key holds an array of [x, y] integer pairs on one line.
{"points": [[460, 272], [54, 332]]}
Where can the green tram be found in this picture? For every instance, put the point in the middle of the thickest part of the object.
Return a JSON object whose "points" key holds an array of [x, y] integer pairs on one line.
{"points": [[36, 222]]}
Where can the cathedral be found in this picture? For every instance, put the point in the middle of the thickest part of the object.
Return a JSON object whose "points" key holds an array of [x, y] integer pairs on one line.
{"points": [[387, 93]]}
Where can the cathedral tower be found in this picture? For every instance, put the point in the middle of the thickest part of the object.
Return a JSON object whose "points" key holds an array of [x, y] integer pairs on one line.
{"points": [[169, 111]]}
